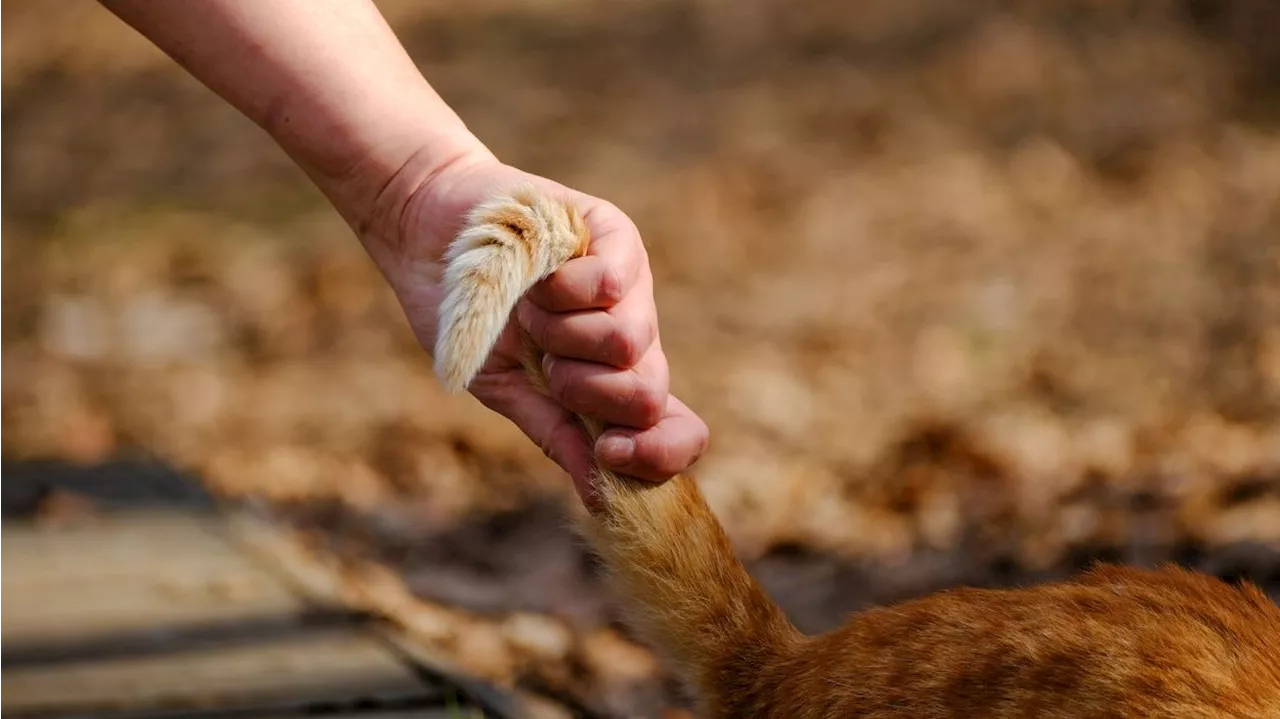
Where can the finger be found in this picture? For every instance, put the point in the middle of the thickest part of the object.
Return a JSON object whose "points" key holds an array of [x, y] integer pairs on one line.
{"points": [[601, 278], [660, 452], [618, 337], [553, 429], [635, 397], [568, 441]]}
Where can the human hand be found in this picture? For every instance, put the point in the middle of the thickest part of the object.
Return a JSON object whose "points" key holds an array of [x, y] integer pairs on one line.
{"points": [[402, 169], [595, 318]]}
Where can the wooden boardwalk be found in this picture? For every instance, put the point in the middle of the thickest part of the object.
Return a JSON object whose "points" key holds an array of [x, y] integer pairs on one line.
{"points": [[160, 613]]}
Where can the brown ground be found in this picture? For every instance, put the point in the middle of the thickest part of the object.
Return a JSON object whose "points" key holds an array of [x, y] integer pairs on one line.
{"points": [[968, 292]]}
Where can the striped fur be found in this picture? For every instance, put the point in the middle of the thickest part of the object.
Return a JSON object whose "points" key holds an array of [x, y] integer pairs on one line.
{"points": [[508, 244]]}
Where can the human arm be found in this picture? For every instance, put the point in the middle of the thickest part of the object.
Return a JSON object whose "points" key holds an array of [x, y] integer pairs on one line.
{"points": [[331, 84], [327, 79]]}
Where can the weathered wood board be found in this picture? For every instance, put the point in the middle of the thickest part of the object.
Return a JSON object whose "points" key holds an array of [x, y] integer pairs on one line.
{"points": [[138, 614], [308, 669], [129, 573]]}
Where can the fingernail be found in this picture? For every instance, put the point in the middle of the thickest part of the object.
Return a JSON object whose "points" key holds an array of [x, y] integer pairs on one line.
{"points": [[617, 450], [548, 361]]}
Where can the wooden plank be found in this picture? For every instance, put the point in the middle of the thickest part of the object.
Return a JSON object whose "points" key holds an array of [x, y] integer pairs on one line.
{"points": [[337, 665], [307, 574], [132, 572], [156, 614]]}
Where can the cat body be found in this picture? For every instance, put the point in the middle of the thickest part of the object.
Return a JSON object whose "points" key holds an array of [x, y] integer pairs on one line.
{"points": [[1114, 642]]}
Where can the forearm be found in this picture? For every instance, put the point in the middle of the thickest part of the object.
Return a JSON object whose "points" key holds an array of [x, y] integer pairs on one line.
{"points": [[327, 79]]}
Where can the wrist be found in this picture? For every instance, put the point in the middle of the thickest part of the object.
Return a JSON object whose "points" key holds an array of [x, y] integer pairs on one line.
{"points": [[381, 194], [380, 170]]}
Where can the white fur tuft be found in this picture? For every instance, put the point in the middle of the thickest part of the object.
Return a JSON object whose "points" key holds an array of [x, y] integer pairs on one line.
{"points": [[488, 268]]}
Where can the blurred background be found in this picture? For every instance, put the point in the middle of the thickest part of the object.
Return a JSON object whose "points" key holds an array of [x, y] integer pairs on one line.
{"points": [[968, 292]]}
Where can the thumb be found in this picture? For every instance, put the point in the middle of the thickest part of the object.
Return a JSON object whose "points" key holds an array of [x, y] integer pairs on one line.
{"points": [[555, 430]]}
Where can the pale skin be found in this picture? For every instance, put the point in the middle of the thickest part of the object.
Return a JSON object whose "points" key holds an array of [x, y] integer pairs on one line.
{"points": [[332, 85]]}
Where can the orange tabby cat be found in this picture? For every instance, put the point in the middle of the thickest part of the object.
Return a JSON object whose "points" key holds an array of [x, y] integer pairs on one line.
{"points": [[1115, 642]]}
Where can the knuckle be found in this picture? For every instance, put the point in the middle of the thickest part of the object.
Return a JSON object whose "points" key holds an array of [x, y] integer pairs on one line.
{"points": [[553, 289], [552, 443], [551, 336], [610, 287], [554, 282], [573, 392], [627, 347], [648, 403], [607, 207], [548, 449], [559, 384], [700, 447], [539, 329], [628, 223]]}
